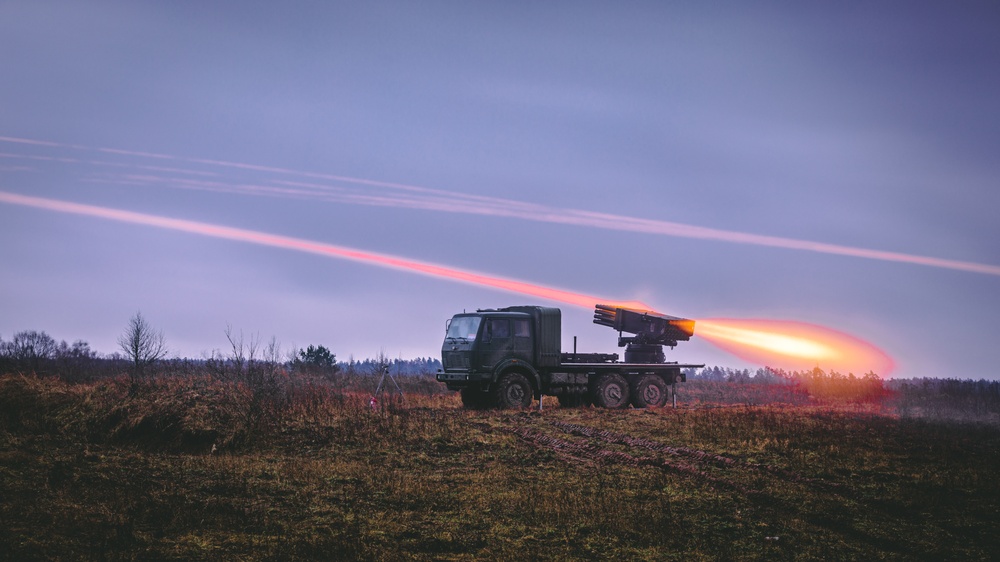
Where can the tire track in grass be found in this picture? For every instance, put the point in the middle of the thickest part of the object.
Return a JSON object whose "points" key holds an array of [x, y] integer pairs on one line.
{"points": [[689, 463], [578, 451], [694, 454]]}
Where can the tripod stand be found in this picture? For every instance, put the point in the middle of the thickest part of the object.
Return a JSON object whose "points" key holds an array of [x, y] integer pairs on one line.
{"points": [[373, 402]]}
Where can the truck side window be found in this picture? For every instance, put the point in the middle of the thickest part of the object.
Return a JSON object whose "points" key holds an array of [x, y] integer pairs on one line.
{"points": [[521, 329], [501, 328]]}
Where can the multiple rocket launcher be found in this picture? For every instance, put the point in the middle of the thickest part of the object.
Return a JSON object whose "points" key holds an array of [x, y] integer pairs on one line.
{"points": [[650, 328], [651, 331]]}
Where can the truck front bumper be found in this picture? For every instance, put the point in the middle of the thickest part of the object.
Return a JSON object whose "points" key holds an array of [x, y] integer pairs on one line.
{"points": [[459, 377]]}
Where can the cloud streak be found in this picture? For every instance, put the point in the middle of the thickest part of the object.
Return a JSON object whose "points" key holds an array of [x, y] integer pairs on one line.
{"points": [[769, 342], [312, 247], [428, 199]]}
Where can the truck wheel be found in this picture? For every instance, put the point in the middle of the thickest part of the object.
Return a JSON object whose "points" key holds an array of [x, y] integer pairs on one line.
{"points": [[475, 399], [512, 391], [611, 391], [649, 392]]}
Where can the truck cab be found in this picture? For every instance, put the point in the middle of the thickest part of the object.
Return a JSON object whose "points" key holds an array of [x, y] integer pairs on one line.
{"points": [[481, 347]]}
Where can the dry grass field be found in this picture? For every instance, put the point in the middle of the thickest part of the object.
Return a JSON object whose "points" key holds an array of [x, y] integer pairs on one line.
{"points": [[189, 467]]}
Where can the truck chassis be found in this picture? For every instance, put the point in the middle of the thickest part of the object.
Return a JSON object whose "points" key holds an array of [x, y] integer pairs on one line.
{"points": [[512, 380]]}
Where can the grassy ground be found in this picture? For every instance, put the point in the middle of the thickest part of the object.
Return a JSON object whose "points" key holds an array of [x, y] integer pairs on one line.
{"points": [[191, 468]]}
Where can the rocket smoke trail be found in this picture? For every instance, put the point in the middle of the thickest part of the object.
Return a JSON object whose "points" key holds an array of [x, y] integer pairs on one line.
{"points": [[764, 342], [309, 246], [415, 197]]}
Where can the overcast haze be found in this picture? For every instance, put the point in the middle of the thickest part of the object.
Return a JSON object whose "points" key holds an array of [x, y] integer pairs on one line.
{"points": [[863, 126]]}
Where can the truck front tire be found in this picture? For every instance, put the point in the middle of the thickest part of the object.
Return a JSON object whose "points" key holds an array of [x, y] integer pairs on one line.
{"points": [[650, 392], [611, 391], [513, 391]]}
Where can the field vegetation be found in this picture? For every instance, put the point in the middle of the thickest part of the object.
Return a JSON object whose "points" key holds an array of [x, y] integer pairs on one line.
{"points": [[258, 462]]}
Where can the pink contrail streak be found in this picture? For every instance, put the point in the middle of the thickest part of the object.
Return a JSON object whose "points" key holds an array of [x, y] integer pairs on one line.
{"points": [[766, 341], [309, 246], [447, 201]]}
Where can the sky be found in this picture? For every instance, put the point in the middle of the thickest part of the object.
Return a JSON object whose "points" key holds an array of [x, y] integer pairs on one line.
{"points": [[835, 165]]}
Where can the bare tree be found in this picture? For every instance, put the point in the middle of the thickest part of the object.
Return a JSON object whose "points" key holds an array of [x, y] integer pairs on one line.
{"points": [[30, 349], [76, 362], [257, 367], [143, 346]]}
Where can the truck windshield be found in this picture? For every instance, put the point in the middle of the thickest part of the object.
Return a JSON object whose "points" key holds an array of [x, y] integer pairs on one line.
{"points": [[464, 327]]}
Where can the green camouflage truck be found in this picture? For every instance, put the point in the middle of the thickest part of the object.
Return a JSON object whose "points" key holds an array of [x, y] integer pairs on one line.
{"points": [[507, 357]]}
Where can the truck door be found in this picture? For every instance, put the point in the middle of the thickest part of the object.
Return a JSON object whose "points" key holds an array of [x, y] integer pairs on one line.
{"points": [[496, 342], [523, 347]]}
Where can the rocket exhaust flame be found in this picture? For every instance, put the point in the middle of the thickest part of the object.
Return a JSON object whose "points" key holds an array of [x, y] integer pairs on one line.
{"points": [[794, 346], [788, 345]]}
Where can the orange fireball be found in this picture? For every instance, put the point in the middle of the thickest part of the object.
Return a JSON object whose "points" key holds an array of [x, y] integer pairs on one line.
{"points": [[794, 345]]}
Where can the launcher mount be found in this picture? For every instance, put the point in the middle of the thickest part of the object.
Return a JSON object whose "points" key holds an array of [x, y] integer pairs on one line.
{"points": [[651, 331]]}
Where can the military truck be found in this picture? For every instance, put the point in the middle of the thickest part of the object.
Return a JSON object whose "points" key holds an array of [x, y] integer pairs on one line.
{"points": [[507, 357]]}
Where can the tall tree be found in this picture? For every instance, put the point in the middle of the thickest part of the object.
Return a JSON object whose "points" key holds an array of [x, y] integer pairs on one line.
{"points": [[317, 359], [143, 346]]}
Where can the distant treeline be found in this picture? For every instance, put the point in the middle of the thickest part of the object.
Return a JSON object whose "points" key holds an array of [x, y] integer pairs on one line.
{"points": [[832, 383], [951, 399], [772, 384], [37, 352], [266, 370], [30, 351], [418, 366], [819, 379], [964, 400]]}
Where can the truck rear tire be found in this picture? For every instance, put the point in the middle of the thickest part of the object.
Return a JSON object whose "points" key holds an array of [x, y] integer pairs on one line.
{"points": [[513, 391], [650, 392], [611, 391]]}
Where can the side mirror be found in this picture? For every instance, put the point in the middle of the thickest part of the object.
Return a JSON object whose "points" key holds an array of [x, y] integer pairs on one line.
{"points": [[447, 325]]}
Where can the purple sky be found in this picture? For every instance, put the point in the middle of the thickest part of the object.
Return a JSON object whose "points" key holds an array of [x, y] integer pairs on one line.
{"points": [[489, 137]]}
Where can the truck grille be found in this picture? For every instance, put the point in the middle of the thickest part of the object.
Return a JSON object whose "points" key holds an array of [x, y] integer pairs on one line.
{"points": [[455, 360]]}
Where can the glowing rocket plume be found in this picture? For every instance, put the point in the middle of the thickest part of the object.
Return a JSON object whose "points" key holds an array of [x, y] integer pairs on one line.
{"points": [[798, 346], [309, 246]]}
